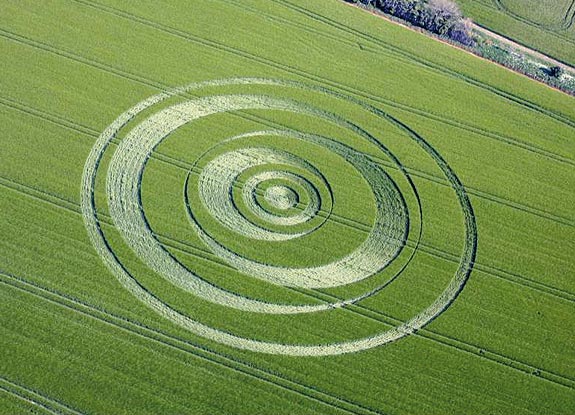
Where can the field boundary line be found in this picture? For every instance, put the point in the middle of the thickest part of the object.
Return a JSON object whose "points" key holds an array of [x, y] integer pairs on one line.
{"points": [[34, 397], [203, 352], [180, 163]]}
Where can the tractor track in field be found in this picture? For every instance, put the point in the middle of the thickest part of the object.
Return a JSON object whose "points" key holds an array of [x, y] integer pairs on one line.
{"points": [[383, 44], [163, 87], [150, 333], [160, 337], [569, 17], [58, 120], [401, 107], [42, 408], [427, 333], [489, 270], [33, 397], [237, 52]]}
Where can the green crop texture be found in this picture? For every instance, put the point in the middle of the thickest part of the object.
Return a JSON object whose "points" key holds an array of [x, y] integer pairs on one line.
{"points": [[544, 25], [278, 207]]}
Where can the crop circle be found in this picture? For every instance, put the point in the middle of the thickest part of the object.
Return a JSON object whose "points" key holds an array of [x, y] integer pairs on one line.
{"points": [[288, 194]]}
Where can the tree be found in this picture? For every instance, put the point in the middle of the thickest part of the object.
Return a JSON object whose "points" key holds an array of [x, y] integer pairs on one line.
{"points": [[438, 16], [443, 15], [461, 32]]}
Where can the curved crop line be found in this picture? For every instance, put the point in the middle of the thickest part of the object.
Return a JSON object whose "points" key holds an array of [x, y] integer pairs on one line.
{"points": [[132, 285], [228, 49], [163, 87]]}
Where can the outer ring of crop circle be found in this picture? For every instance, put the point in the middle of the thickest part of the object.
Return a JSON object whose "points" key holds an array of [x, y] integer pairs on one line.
{"points": [[427, 315]]}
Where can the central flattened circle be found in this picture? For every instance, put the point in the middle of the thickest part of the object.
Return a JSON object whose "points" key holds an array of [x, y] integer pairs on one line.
{"points": [[281, 197]]}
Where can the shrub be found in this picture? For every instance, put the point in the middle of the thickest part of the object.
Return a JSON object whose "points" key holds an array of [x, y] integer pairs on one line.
{"points": [[555, 71], [442, 17]]}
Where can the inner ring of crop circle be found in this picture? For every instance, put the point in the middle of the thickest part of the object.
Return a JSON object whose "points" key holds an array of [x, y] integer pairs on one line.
{"points": [[213, 188], [99, 241], [293, 190], [384, 241], [297, 180]]}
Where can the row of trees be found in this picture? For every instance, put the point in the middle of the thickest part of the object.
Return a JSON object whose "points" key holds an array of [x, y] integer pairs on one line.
{"points": [[442, 17]]}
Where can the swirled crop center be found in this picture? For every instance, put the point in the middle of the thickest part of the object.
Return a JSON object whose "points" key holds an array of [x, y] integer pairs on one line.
{"points": [[281, 197], [382, 244]]}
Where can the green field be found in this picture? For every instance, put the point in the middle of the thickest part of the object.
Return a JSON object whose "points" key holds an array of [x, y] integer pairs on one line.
{"points": [[277, 207], [545, 25]]}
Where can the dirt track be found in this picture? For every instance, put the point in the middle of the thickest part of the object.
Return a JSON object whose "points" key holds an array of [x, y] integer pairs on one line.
{"points": [[523, 48]]}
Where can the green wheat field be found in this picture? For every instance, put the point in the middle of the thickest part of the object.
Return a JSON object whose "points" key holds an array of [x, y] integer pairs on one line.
{"points": [[279, 207], [548, 26]]}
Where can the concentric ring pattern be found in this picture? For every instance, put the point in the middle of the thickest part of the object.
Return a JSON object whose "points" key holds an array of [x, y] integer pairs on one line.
{"points": [[269, 165]]}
